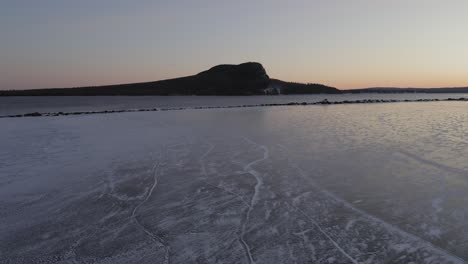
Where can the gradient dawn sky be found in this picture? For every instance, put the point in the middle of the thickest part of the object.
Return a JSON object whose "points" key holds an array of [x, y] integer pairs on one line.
{"points": [[343, 43]]}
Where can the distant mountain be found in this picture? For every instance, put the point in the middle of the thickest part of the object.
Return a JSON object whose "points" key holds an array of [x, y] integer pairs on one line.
{"points": [[409, 90], [248, 78], [244, 79]]}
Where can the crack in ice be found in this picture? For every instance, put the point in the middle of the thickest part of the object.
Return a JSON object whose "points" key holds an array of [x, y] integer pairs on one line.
{"points": [[213, 185], [249, 206], [259, 182], [155, 171], [205, 173]]}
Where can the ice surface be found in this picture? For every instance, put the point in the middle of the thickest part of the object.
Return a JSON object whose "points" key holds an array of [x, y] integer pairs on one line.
{"points": [[380, 183]]}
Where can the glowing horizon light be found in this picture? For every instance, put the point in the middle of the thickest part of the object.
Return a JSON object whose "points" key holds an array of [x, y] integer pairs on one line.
{"points": [[345, 44]]}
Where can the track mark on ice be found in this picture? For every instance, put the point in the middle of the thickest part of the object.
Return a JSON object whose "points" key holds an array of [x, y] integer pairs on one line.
{"points": [[337, 246], [433, 163], [153, 236], [437, 201], [202, 159], [422, 242]]}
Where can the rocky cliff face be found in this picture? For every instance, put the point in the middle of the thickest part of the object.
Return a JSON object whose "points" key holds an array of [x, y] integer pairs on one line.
{"points": [[244, 79]]}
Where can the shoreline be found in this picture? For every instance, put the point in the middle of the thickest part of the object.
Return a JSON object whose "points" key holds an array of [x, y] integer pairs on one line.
{"points": [[323, 102]]}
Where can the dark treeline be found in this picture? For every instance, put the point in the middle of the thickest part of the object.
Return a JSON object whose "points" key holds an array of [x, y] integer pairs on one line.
{"points": [[302, 88], [409, 90]]}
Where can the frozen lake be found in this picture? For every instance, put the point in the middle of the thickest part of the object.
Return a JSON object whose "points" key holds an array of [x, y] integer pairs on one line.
{"points": [[30, 104], [367, 183]]}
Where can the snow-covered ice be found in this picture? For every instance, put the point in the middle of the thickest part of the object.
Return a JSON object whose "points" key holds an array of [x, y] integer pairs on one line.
{"points": [[380, 183]]}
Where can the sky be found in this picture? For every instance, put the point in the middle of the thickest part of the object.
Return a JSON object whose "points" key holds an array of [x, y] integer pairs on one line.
{"points": [[342, 43]]}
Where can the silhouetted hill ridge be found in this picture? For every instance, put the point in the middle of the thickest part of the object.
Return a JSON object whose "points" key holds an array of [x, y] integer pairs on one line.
{"points": [[244, 79]]}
